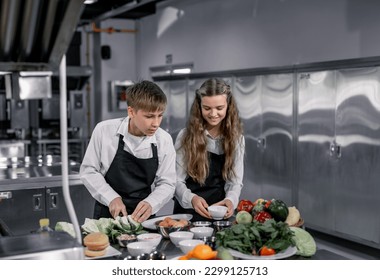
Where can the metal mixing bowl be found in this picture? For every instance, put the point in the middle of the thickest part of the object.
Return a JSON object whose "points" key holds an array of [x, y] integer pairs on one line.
{"points": [[164, 231]]}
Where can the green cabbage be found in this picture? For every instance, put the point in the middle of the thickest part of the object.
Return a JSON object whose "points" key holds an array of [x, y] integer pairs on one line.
{"points": [[305, 243], [65, 226]]}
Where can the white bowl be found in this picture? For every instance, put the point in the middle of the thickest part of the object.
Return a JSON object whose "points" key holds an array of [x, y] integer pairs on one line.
{"points": [[188, 245], [217, 212], [201, 232], [140, 247], [153, 238], [176, 237]]}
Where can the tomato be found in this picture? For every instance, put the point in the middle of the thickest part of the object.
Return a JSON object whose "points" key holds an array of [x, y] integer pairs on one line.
{"points": [[245, 205], [262, 216], [268, 203], [265, 251]]}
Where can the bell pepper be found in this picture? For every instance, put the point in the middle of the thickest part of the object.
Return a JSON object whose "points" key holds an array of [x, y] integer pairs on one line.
{"points": [[262, 216], [245, 205], [278, 209], [259, 205]]}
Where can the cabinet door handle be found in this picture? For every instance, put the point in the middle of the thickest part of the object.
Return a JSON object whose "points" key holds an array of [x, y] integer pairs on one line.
{"points": [[261, 143], [53, 200], [335, 150], [5, 195], [37, 205]]}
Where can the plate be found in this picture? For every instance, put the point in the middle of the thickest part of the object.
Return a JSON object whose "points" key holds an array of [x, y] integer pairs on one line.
{"points": [[110, 252], [150, 224], [282, 255]]}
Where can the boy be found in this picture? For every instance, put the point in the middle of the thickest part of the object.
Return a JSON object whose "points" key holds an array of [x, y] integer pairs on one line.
{"points": [[129, 165]]}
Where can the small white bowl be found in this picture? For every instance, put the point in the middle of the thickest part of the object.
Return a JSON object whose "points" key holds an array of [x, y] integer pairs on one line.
{"points": [[153, 238], [140, 247], [201, 232], [176, 237], [217, 212], [188, 245]]}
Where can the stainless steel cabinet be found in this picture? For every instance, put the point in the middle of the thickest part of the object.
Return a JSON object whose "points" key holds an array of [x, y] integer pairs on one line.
{"points": [[339, 152], [266, 109], [22, 211], [56, 208]]}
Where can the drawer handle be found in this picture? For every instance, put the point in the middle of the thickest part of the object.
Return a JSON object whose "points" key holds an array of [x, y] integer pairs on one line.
{"points": [[37, 202], [53, 201], [5, 195]]}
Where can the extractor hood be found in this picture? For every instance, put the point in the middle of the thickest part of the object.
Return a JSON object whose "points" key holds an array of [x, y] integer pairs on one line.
{"points": [[35, 34]]}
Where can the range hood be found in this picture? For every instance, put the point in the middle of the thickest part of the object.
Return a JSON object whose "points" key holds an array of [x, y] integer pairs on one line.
{"points": [[34, 36]]}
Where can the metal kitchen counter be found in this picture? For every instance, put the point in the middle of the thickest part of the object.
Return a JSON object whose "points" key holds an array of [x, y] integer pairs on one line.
{"points": [[172, 252]]}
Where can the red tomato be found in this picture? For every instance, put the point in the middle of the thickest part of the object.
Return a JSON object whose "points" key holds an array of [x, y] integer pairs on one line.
{"points": [[265, 251]]}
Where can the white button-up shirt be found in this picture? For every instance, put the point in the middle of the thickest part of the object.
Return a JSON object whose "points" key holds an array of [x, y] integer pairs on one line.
{"points": [[214, 145], [102, 149]]}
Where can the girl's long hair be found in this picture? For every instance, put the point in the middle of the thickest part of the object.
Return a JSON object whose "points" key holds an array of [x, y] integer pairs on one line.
{"points": [[194, 143]]}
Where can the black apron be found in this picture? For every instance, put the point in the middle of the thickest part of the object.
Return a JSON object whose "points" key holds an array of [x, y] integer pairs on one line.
{"points": [[130, 177], [212, 191]]}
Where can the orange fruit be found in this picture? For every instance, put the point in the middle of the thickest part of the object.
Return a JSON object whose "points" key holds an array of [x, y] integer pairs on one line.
{"points": [[203, 252]]}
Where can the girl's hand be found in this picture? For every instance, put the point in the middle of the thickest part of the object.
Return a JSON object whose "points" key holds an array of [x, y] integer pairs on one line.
{"points": [[229, 205], [200, 206]]}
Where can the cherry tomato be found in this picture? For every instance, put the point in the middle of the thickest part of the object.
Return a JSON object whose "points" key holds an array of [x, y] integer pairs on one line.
{"points": [[265, 251]]}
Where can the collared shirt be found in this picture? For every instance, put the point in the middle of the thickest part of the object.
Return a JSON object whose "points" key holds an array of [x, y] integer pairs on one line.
{"points": [[214, 145], [102, 149]]}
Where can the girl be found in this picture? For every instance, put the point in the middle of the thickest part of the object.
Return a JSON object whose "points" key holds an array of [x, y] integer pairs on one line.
{"points": [[210, 153]]}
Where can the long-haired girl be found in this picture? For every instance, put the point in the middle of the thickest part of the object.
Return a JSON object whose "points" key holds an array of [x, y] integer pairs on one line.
{"points": [[210, 153]]}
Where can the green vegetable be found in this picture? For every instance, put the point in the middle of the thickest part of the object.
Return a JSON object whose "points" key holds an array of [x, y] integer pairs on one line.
{"points": [[278, 209], [134, 225], [113, 227], [66, 227], [224, 254], [243, 217], [90, 226], [124, 223], [305, 243], [249, 238], [259, 206], [104, 225]]}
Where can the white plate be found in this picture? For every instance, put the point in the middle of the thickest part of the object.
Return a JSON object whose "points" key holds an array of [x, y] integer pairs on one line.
{"points": [[150, 224], [282, 255], [110, 252]]}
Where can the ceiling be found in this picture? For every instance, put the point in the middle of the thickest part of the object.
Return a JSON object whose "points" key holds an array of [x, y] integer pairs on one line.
{"points": [[122, 9]]}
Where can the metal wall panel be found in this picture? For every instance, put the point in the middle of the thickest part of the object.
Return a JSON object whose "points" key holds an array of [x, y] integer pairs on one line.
{"points": [[357, 187], [316, 130]]}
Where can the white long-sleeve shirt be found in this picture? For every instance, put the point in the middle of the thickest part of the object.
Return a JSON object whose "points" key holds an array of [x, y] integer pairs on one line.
{"points": [[102, 149], [214, 145]]}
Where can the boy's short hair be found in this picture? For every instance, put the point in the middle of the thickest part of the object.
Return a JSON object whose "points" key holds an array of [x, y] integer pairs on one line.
{"points": [[147, 96]]}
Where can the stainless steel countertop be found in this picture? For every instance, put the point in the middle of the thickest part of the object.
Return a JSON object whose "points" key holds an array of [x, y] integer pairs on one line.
{"points": [[172, 252], [33, 170], [49, 245]]}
